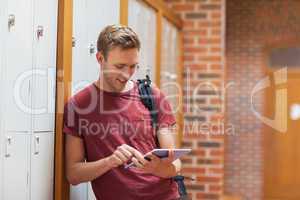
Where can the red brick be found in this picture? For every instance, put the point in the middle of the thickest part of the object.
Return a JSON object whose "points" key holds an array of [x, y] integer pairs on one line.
{"points": [[199, 32], [214, 188], [195, 49], [208, 24], [208, 41], [208, 179], [210, 58], [183, 7], [193, 170]]}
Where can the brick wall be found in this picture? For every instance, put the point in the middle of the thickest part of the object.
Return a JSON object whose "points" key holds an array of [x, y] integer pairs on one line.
{"points": [[250, 27], [204, 22]]}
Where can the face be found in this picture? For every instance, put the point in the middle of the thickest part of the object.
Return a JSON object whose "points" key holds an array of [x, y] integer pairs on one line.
{"points": [[118, 68]]}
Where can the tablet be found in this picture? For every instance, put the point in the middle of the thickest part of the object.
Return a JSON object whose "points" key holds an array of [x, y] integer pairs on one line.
{"points": [[164, 153]]}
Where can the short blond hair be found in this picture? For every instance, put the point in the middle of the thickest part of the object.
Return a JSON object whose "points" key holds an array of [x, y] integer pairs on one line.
{"points": [[117, 36]]}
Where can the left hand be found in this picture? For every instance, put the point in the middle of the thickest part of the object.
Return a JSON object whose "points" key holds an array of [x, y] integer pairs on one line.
{"points": [[160, 167]]}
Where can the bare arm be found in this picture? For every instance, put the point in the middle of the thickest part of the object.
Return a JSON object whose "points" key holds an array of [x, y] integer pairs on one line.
{"points": [[79, 171]]}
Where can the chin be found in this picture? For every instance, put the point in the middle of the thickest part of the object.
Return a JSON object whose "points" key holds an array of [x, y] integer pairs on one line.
{"points": [[119, 88]]}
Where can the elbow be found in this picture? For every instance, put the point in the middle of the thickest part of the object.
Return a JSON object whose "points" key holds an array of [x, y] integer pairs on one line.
{"points": [[72, 179]]}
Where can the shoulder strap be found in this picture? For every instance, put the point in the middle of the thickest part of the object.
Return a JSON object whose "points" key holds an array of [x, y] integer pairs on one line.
{"points": [[147, 99]]}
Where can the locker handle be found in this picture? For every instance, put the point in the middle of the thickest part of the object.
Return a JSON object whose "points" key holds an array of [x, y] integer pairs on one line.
{"points": [[11, 21], [73, 41], [40, 32], [92, 48], [8, 144], [36, 145]]}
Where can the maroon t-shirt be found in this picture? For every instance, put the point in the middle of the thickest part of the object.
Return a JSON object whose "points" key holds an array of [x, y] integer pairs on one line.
{"points": [[106, 120]]}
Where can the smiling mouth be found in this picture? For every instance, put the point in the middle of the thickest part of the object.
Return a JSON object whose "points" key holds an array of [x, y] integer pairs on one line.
{"points": [[123, 82]]}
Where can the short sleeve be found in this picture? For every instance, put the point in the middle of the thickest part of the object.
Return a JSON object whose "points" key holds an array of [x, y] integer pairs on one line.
{"points": [[166, 116], [70, 119]]}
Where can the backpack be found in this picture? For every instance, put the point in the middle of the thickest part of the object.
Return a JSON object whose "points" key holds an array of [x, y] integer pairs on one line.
{"points": [[147, 98]]}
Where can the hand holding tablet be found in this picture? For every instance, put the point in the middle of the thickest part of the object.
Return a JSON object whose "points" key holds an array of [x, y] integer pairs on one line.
{"points": [[163, 154]]}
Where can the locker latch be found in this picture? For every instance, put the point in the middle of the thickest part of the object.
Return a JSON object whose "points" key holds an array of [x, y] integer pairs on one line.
{"points": [[11, 21], [37, 145], [92, 48], [73, 41], [40, 32], [8, 144]]}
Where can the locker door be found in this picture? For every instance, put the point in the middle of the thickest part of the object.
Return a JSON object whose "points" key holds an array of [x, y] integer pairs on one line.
{"points": [[1, 90], [142, 19], [1, 62], [91, 195], [42, 166], [44, 54], [15, 181], [100, 14], [79, 192], [79, 66], [18, 64], [80, 45], [1, 41]]}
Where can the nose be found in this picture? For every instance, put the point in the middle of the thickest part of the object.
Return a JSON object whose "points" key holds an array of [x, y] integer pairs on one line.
{"points": [[128, 71]]}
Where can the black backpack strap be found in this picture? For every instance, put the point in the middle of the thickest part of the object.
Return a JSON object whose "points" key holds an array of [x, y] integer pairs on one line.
{"points": [[147, 99], [181, 186]]}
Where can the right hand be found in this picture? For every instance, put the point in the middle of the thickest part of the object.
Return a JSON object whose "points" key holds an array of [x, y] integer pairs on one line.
{"points": [[122, 155]]}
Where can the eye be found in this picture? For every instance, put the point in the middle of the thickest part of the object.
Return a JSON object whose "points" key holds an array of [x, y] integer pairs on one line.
{"points": [[119, 66]]}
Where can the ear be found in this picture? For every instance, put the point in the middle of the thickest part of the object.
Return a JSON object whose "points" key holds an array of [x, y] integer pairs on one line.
{"points": [[100, 57]]}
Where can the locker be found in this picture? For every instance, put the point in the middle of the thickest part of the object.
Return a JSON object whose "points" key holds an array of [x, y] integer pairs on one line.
{"points": [[44, 64], [27, 74], [18, 64], [142, 19], [42, 165], [15, 179]]}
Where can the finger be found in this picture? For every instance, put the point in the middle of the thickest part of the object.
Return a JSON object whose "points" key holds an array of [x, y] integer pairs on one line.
{"points": [[125, 152], [120, 155], [136, 163], [129, 148], [153, 157], [140, 157], [171, 156], [136, 154]]}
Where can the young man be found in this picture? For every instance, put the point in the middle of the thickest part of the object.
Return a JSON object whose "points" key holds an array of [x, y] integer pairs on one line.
{"points": [[107, 126]]}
